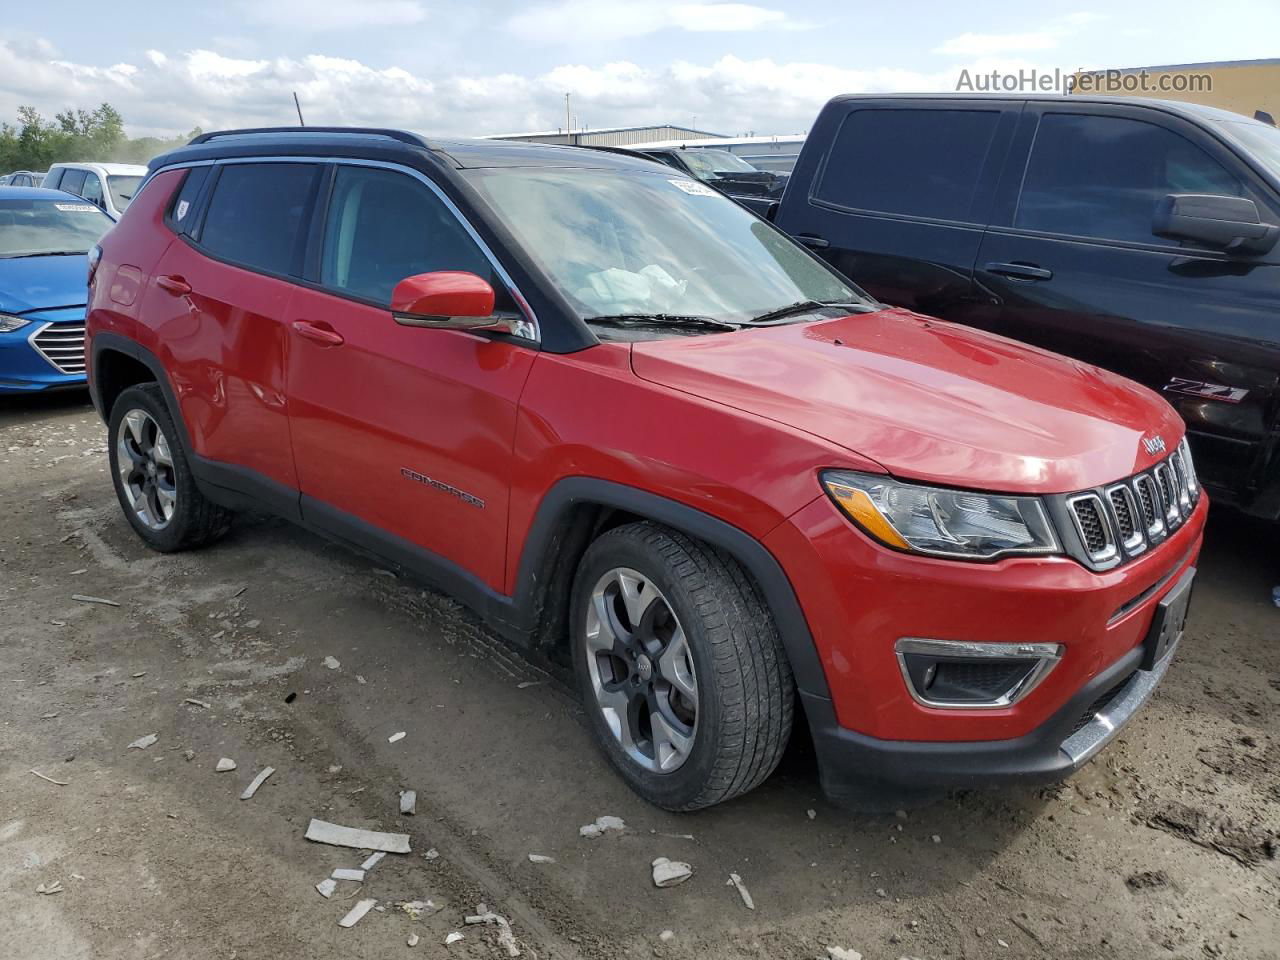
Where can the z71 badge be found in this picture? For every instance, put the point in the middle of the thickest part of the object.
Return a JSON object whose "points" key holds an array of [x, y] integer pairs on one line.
{"points": [[1209, 391]]}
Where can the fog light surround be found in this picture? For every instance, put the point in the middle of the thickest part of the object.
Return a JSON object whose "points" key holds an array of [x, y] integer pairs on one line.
{"points": [[957, 675]]}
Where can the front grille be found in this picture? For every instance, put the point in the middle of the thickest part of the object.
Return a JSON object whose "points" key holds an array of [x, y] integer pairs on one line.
{"points": [[62, 344], [1099, 705], [1116, 523]]}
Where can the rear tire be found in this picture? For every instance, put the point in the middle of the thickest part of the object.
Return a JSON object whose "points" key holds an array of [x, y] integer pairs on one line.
{"points": [[685, 682], [153, 478]]}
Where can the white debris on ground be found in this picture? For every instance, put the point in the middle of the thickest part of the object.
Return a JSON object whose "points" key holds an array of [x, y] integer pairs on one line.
{"points": [[143, 742], [453, 938], [666, 936], [347, 873], [408, 802], [506, 939], [396, 737], [198, 703], [61, 783], [50, 888], [601, 826], [432, 854], [258, 781], [83, 599], [373, 861], [811, 814], [416, 908], [331, 833], [413, 940], [840, 953], [326, 887], [225, 764], [332, 663], [540, 858], [736, 881], [668, 873], [359, 910]]}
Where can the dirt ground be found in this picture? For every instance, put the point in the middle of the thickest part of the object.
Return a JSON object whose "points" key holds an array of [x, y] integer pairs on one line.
{"points": [[1165, 846]]}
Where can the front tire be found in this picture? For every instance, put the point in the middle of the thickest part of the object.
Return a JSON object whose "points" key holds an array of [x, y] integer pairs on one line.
{"points": [[685, 682], [153, 478]]}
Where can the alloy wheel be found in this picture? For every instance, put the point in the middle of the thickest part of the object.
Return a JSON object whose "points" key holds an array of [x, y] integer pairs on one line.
{"points": [[145, 466], [641, 670]]}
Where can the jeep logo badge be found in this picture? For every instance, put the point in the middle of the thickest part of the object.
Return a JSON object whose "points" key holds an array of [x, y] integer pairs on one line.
{"points": [[1154, 444]]}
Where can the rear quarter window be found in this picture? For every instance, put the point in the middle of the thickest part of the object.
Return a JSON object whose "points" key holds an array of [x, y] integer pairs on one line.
{"points": [[921, 163]]}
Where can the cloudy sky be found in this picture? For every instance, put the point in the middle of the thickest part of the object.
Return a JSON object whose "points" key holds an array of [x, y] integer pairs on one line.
{"points": [[472, 67]]}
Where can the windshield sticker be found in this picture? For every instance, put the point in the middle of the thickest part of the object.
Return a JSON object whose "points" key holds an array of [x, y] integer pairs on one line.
{"points": [[693, 188], [76, 207], [183, 207]]}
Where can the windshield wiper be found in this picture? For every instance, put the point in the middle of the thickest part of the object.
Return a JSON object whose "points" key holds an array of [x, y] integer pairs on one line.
{"points": [[663, 319], [807, 306], [43, 253]]}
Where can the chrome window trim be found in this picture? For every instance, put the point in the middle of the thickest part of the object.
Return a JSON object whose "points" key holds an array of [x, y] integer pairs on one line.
{"points": [[1112, 549], [535, 329], [1137, 542], [1049, 656]]}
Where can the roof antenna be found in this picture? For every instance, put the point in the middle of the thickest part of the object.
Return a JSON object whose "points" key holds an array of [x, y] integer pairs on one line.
{"points": [[301, 122]]}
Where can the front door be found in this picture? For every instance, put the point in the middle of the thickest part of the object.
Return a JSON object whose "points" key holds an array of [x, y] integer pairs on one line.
{"points": [[400, 431], [1077, 270]]}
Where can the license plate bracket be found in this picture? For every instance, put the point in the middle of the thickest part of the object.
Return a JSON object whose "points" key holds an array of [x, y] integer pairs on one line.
{"points": [[1169, 621]]}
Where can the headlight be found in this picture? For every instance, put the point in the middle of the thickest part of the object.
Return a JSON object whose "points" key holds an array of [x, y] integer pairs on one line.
{"points": [[944, 523], [8, 324]]}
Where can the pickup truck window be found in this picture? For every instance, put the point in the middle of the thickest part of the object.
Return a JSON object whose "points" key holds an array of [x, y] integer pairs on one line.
{"points": [[922, 163], [653, 243], [1262, 141], [1101, 177], [383, 227]]}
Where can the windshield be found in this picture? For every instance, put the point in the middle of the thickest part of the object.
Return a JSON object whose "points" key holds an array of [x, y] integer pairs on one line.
{"points": [[31, 228], [653, 244], [1262, 141], [706, 164], [122, 189]]}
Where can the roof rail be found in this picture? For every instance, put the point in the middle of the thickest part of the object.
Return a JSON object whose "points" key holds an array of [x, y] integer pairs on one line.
{"points": [[410, 138]]}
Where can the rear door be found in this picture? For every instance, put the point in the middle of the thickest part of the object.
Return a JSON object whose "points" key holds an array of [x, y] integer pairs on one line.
{"points": [[899, 199], [72, 181], [1072, 260], [215, 314], [400, 430]]}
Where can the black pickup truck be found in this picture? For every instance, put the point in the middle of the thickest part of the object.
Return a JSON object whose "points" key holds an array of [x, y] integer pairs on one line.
{"points": [[1138, 235]]}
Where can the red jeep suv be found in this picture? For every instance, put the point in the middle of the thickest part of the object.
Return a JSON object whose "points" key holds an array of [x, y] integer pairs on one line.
{"points": [[640, 430]]}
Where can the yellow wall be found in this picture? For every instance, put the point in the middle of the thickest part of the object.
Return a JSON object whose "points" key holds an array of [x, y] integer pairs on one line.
{"points": [[1242, 87]]}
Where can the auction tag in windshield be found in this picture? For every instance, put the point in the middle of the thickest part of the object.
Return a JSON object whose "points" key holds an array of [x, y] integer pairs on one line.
{"points": [[693, 188], [76, 207]]}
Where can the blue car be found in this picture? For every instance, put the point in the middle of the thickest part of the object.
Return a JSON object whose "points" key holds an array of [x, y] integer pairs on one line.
{"points": [[45, 237]]}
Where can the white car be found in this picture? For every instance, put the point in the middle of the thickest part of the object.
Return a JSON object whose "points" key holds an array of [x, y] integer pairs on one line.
{"points": [[109, 185]]}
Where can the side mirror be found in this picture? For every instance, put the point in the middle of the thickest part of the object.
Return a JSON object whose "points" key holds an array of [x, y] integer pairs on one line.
{"points": [[447, 300], [1228, 223]]}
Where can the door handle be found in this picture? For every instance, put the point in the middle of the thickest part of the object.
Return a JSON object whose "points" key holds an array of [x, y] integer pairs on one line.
{"points": [[1020, 271], [813, 243], [317, 334], [175, 285]]}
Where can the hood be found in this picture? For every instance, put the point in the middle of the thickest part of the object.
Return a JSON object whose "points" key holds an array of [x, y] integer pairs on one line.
{"points": [[928, 400], [37, 283]]}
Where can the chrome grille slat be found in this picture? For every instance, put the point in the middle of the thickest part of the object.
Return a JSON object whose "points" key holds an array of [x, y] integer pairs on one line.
{"points": [[62, 345]]}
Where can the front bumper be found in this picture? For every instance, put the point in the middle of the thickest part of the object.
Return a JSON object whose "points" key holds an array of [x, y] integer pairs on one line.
{"points": [[859, 599], [851, 762]]}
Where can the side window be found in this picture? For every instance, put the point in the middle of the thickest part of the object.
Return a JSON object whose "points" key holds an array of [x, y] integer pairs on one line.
{"points": [[256, 213], [384, 226], [1102, 177], [72, 181], [92, 190], [182, 211], [51, 181], [922, 163]]}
